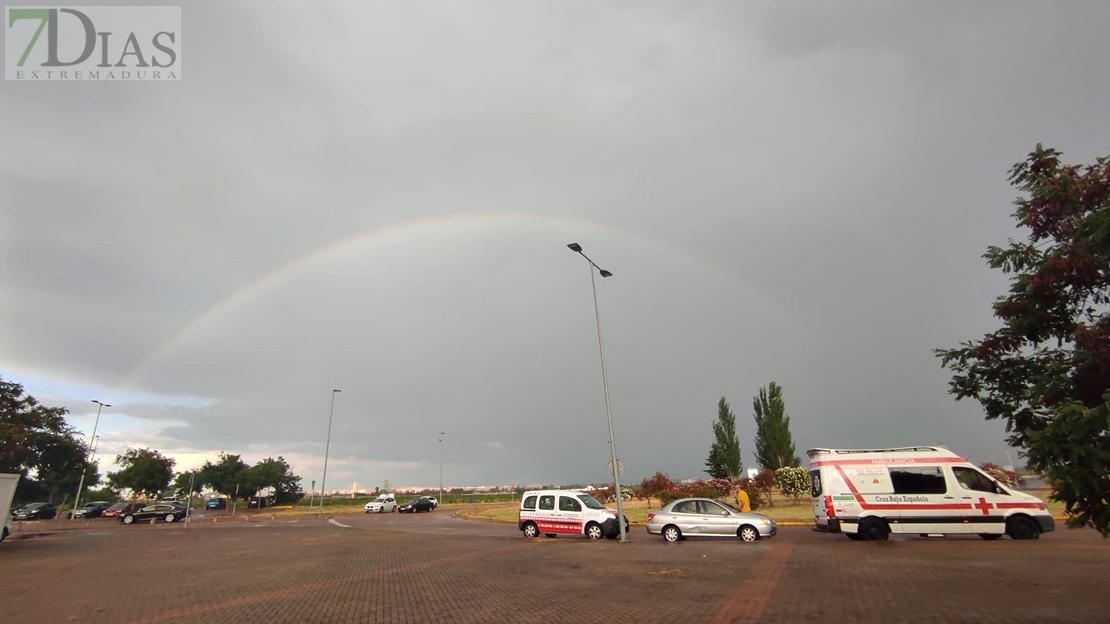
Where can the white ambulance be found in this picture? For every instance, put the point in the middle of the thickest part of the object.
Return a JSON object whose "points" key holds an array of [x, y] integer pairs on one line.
{"points": [[566, 512], [928, 490]]}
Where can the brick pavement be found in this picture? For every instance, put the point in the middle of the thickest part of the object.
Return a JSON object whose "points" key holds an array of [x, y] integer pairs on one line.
{"points": [[320, 573]]}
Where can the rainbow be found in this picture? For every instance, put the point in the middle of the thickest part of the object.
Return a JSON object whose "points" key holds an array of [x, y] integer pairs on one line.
{"points": [[391, 232]]}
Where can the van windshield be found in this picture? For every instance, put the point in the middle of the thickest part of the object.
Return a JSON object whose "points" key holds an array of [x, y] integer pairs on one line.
{"points": [[590, 501]]}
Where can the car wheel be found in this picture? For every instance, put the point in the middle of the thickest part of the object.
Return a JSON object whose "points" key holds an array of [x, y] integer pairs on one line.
{"points": [[531, 530], [170, 517], [990, 536], [874, 529], [1023, 528], [593, 531], [671, 533], [747, 533], [128, 519]]}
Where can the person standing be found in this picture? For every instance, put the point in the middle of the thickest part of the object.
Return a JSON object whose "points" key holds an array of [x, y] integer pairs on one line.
{"points": [[743, 503]]}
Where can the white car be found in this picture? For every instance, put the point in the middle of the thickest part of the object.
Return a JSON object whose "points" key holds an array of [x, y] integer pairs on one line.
{"points": [[384, 502], [435, 503]]}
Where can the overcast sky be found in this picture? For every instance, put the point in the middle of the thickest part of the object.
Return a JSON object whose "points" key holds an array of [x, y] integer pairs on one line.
{"points": [[377, 197]]}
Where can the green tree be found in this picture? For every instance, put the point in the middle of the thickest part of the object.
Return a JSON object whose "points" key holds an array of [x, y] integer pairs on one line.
{"points": [[181, 483], [1046, 371], [145, 472], [724, 460], [278, 475], [230, 474], [774, 444], [37, 443]]}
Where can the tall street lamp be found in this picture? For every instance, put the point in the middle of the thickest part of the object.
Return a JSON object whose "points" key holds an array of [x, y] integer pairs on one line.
{"points": [[327, 448], [441, 467], [575, 247], [92, 438]]}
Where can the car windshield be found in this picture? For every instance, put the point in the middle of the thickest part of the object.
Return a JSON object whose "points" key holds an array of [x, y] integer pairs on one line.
{"points": [[590, 501], [730, 507]]}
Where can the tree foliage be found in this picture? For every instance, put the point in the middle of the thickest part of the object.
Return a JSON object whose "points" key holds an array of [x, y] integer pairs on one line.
{"points": [[793, 481], [37, 443], [229, 475], [181, 483], [1046, 371], [278, 475], [724, 460], [144, 471], [774, 444]]}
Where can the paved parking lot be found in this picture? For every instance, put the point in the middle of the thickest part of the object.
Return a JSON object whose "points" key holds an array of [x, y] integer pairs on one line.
{"points": [[311, 571]]}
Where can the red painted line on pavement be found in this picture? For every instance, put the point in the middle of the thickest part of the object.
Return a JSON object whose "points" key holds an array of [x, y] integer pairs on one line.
{"points": [[747, 603], [285, 592]]}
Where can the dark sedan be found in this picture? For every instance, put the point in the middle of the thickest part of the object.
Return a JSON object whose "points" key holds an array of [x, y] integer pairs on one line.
{"points": [[417, 505], [120, 508], [90, 510], [164, 512], [35, 511]]}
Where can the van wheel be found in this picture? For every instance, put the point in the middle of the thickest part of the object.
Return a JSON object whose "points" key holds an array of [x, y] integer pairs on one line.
{"points": [[990, 536], [593, 531], [855, 537], [1022, 528], [747, 533], [531, 530], [874, 529], [671, 533]]}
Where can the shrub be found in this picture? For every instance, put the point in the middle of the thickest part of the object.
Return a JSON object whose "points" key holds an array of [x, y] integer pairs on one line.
{"points": [[793, 481], [764, 482], [653, 485]]}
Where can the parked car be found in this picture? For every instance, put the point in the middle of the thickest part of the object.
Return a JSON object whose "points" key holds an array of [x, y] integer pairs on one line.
{"points": [[167, 512], [258, 502], [119, 508], [216, 503], [417, 505], [90, 510], [435, 501], [705, 517], [35, 511], [384, 502]]}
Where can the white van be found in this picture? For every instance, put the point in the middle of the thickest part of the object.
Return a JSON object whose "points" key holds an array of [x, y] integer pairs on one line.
{"points": [[928, 490], [565, 512]]}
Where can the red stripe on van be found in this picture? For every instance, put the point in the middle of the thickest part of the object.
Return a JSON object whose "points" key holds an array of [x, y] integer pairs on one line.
{"points": [[888, 462], [1021, 506]]}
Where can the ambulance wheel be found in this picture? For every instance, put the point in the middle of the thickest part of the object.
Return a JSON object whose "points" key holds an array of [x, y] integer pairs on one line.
{"points": [[671, 533], [593, 531], [531, 530], [874, 529], [990, 536], [855, 537], [747, 533], [1022, 528]]}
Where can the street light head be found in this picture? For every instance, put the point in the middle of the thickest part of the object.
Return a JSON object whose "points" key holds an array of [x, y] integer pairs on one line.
{"points": [[605, 273], [575, 247], [337, 391]]}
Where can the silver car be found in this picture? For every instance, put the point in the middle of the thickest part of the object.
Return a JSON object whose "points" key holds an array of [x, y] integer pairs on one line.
{"points": [[706, 517]]}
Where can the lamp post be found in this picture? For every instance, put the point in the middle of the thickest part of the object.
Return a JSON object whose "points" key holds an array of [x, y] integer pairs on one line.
{"points": [[92, 438], [441, 433], [327, 448], [576, 248]]}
